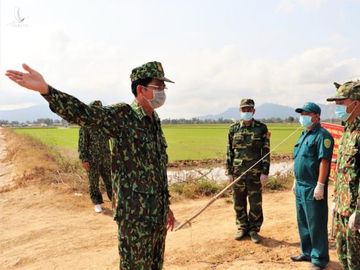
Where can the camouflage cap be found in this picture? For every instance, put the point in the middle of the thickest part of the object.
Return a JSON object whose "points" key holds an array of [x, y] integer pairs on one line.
{"points": [[309, 107], [96, 103], [349, 89], [149, 70], [247, 102]]}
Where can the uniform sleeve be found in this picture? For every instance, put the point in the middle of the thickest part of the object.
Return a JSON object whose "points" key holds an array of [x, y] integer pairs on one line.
{"points": [[265, 151], [357, 181], [230, 154], [83, 144], [325, 146], [109, 119]]}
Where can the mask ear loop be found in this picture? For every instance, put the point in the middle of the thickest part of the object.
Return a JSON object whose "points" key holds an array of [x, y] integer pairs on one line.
{"points": [[353, 110]]}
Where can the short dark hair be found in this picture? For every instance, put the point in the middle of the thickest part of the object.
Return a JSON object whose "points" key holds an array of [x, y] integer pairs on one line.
{"points": [[142, 82]]}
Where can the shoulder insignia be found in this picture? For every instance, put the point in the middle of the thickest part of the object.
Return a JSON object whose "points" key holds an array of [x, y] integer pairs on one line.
{"points": [[327, 143]]}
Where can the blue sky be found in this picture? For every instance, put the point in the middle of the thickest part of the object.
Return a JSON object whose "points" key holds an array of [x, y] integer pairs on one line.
{"points": [[217, 52]]}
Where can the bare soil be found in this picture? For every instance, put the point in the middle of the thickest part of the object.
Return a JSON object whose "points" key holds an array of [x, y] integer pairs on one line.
{"points": [[46, 227]]}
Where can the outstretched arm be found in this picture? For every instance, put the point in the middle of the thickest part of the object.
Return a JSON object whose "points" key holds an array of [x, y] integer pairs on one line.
{"points": [[110, 119]]}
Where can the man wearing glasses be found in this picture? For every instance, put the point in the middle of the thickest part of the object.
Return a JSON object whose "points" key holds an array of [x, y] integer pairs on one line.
{"points": [[141, 196]]}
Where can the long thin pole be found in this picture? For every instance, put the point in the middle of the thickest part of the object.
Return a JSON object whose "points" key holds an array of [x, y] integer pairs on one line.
{"points": [[231, 184]]}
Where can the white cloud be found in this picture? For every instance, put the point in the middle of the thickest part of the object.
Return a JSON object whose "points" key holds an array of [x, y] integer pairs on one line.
{"points": [[10, 107], [207, 80], [287, 6], [217, 80]]}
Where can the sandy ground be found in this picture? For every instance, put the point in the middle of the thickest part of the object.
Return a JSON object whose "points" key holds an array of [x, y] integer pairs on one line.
{"points": [[42, 228], [6, 168]]}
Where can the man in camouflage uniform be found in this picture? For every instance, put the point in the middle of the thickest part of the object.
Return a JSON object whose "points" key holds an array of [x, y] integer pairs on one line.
{"points": [[141, 200], [347, 188], [248, 142], [312, 158], [94, 153]]}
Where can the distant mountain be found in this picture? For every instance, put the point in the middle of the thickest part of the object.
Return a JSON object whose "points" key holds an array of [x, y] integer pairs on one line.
{"points": [[28, 114], [270, 110], [264, 111]]}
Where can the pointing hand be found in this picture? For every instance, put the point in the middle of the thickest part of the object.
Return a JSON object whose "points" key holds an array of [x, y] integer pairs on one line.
{"points": [[31, 79]]}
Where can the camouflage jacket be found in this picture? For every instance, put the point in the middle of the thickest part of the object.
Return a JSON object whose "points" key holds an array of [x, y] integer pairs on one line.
{"points": [[347, 187], [93, 145], [246, 145], [139, 162]]}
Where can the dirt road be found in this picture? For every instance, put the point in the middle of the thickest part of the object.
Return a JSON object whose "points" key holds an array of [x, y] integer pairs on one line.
{"points": [[42, 228]]}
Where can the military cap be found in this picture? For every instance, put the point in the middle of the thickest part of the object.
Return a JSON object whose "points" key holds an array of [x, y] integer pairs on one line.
{"points": [[247, 102], [349, 89], [309, 107], [149, 70], [96, 103]]}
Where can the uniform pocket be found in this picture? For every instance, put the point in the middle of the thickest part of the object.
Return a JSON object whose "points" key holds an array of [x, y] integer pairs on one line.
{"points": [[142, 202], [310, 150], [257, 142], [238, 140]]}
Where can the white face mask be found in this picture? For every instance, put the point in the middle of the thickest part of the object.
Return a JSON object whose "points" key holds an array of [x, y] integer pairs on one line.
{"points": [[246, 116], [158, 99]]}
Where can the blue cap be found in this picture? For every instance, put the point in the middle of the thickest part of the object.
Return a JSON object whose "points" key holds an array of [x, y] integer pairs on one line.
{"points": [[309, 107]]}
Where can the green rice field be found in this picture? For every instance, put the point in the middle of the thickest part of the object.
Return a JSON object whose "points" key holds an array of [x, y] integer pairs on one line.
{"points": [[185, 142]]}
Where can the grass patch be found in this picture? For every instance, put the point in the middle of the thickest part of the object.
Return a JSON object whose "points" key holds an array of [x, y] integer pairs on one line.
{"points": [[185, 142], [195, 189], [279, 182], [36, 162]]}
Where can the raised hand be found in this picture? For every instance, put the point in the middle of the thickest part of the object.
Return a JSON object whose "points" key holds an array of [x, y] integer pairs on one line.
{"points": [[31, 79]]}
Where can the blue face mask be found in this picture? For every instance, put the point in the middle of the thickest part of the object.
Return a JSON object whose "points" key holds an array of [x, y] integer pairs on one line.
{"points": [[305, 121], [246, 116], [340, 112]]}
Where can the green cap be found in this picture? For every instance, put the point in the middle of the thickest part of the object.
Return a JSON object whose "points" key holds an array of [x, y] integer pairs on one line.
{"points": [[247, 102], [309, 107], [347, 90], [149, 70]]}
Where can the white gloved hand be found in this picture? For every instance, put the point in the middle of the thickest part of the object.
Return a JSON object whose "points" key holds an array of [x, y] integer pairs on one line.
{"points": [[319, 191], [351, 223], [230, 179], [294, 187], [263, 178]]}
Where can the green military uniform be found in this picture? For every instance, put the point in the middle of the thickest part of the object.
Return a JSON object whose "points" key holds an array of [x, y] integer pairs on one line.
{"points": [[246, 146], [312, 215], [141, 197], [347, 186], [94, 148]]}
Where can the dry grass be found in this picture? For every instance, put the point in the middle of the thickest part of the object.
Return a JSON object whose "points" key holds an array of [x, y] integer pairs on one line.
{"points": [[36, 163]]}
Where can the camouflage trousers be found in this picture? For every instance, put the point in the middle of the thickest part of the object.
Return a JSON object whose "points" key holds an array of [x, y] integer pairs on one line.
{"points": [[97, 169], [249, 187], [141, 245], [347, 244]]}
